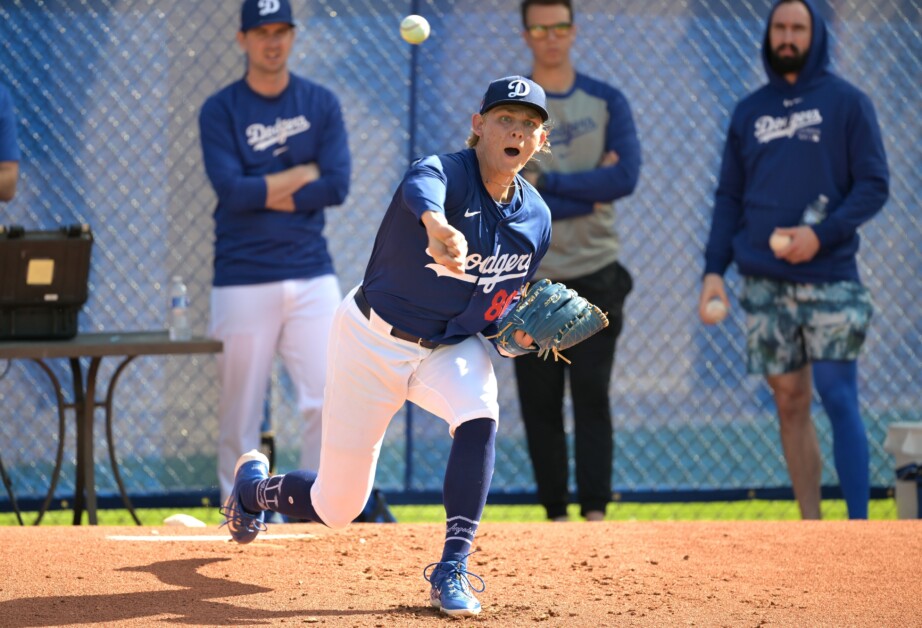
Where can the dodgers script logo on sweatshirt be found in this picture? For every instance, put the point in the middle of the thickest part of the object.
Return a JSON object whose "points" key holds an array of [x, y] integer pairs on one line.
{"points": [[262, 136], [800, 123]]}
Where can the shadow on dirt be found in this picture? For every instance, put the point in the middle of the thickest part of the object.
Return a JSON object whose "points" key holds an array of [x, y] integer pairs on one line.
{"points": [[195, 603]]}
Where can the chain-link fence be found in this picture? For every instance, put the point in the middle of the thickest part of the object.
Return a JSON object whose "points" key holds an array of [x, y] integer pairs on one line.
{"points": [[107, 94]]}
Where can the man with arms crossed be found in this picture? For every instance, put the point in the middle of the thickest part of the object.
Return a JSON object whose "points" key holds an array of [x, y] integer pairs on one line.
{"points": [[596, 161], [276, 153]]}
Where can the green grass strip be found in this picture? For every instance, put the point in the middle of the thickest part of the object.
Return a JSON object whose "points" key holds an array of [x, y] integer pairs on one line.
{"points": [[880, 509]]}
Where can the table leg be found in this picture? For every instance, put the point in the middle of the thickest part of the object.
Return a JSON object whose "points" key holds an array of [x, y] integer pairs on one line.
{"points": [[9, 490], [87, 414], [85, 405], [62, 436], [109, 438], [80, 415]]}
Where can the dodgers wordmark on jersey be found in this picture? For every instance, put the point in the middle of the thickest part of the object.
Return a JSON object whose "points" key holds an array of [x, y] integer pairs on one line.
{"points": [[506, 241]]}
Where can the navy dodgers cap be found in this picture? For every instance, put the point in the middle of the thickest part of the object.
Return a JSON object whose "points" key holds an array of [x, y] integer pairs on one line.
{"points": [[258, 12], [515, 90]]}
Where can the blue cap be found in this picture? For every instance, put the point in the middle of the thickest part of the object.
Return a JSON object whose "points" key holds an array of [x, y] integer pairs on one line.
{"points": [[258, 12], [515, 90]]}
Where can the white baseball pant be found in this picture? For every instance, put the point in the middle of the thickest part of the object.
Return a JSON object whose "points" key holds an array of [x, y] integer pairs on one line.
{"points": [[290, 318], [370, 374]]}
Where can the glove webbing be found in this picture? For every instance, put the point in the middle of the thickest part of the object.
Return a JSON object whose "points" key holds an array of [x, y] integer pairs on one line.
{"points": [[541, 352]]}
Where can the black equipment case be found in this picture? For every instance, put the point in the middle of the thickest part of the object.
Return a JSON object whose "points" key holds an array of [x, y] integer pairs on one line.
{"points": [[43, 281]]}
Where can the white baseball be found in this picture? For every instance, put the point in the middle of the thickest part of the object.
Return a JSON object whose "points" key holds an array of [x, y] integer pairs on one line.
{"points": [[414, 29], [779, 242], [715, 311]]}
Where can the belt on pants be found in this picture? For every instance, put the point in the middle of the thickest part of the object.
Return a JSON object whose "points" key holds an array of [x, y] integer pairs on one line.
{"points": [[365, 309]]}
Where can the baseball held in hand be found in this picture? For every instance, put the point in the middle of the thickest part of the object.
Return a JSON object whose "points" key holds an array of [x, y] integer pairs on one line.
{"points": [[715, 311], [779, 242], [414, 29]]}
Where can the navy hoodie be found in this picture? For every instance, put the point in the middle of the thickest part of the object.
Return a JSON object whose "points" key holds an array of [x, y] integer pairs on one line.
{"points": [[787, 145]]}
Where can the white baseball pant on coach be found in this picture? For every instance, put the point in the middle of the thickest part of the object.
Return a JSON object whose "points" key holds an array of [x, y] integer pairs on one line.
{"points": [[369, 376], [291, 318]]}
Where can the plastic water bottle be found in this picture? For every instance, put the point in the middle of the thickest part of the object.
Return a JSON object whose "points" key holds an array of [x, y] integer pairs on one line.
{"points": [[816, 211], [179, 310]]}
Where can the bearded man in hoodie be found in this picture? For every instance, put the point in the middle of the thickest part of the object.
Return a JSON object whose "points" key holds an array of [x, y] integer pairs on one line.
{"points": [[803, 161]]}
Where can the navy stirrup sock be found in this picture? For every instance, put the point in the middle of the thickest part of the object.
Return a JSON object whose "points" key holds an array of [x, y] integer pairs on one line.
{"points": [[837, 384], [467, 482], [288, 494]]}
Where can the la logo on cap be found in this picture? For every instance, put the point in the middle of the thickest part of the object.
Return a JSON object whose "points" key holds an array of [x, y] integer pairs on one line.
{"points": [[519, 89], [268, 6]]}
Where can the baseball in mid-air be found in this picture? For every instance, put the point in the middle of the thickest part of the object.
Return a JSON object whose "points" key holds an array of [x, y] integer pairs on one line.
{"points": [[414, 29], [715, 311], [779, 241]]}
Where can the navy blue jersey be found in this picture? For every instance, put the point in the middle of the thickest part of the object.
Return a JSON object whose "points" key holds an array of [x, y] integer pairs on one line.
{"points": [[506, 241], [246, 136]]}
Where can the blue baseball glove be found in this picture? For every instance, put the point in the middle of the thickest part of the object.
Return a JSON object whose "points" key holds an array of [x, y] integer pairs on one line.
{"points": [[554, 315]]}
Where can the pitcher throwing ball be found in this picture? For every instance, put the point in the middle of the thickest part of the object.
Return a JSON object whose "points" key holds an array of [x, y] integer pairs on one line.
{"points": [[462, 235]]}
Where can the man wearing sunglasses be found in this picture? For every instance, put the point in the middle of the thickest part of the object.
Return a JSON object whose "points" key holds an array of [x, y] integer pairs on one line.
{"points": [[596, 161]]}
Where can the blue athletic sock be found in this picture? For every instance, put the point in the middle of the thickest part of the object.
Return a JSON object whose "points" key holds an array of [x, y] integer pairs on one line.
{"points": [[467, 482], [288, 494], [837, 384]]}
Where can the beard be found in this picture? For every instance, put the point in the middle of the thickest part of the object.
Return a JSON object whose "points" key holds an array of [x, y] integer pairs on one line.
{"points": [[787, 65]]}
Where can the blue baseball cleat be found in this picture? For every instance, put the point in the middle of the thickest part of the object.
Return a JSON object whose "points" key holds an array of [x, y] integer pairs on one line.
{"points": [[452, 590], [244, 525]]}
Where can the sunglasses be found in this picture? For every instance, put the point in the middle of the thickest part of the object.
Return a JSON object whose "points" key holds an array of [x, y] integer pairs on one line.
{"points": [[540, 31]]}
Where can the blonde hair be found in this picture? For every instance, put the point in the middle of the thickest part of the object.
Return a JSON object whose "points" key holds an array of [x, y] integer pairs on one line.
{"points": [[473, 138]]}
